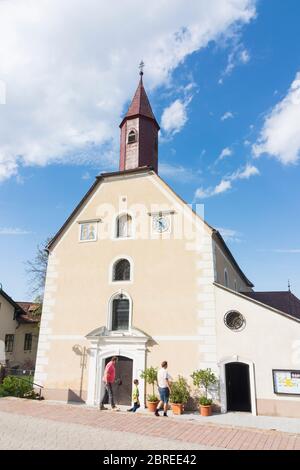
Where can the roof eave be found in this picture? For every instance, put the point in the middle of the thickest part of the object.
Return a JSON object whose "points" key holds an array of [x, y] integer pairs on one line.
{"points": [[140, 169], [14, 304], [134, 116]]}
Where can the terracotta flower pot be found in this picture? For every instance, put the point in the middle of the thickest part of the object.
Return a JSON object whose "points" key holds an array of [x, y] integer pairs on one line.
{"points": [[152, 405], [177, 408], [205, 410]]}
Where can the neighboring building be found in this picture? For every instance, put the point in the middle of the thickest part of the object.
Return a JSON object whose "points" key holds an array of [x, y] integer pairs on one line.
{"points": [[19, 329], [134, 272]]}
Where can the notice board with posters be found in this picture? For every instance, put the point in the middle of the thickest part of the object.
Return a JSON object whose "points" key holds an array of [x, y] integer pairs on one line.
{"points": [[286, 382]]}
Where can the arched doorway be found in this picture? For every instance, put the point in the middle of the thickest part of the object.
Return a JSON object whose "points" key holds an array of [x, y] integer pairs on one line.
{"points": [[238, 386], [104, 343], [122, 388]]}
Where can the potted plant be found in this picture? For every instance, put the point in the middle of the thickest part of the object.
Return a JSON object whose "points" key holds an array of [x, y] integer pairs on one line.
{"points": [[179, 395], [205, 406], [204, 379], [150, 376]]}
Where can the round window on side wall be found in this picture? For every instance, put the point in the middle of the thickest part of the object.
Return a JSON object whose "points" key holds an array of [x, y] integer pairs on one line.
{"points": [[234, 320]]}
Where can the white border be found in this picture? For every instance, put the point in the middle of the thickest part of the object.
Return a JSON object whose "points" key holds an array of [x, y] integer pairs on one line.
{"points": [[114, 226], [111, 270], [134, 350], [168, 217], [130, 129], [223, 394], [109, 316], [96, 231]]}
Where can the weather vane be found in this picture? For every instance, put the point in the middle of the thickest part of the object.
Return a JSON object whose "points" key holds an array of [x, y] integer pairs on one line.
{"points": [[141, 67]]}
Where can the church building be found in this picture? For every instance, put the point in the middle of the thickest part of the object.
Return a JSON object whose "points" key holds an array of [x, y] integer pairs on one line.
{"points": [[135, 272]]}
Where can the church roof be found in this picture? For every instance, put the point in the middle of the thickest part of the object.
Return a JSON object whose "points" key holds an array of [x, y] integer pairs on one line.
{"points": [[218, 236], [284, 301], [140, 104]]}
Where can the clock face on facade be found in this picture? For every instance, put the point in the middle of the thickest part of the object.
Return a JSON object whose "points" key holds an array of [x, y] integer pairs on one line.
{"points": [[161, 224]]}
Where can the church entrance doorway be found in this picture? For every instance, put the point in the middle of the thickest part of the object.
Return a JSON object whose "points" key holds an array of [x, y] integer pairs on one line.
{"points": [[122, 388], [238, 386]]}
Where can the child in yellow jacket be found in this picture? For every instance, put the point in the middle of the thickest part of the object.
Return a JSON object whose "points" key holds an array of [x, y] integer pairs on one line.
{"points": [[135, 396]]}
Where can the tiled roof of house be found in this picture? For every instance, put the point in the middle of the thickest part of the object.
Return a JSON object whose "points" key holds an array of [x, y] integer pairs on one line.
{"points": [[17, 307], [284, 301], [30, 314]]}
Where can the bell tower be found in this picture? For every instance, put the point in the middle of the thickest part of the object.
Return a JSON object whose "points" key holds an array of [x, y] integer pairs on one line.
{"points": [[139, 132]]}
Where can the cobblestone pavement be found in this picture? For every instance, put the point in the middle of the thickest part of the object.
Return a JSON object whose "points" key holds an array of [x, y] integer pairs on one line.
{"points": [[48, 425]]}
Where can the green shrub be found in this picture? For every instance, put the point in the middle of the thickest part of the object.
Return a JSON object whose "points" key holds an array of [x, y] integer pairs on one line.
{"points": [[180, 391], [150, 376], [16, 387], [204, 379], [152, 398], [203, 401]]}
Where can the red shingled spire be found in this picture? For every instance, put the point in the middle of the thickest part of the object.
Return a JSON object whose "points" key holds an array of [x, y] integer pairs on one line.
{"points": [[140, 104], [139, 132]]}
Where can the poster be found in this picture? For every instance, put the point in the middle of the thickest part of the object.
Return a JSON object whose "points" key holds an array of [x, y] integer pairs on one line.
{"points": [[286, 381]]}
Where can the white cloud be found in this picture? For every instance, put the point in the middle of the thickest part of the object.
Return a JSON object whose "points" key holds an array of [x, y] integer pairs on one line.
{"points": [[245, 173], [280, 135], [174, 117], [238, 55], [288, 251], [226, 183], [177, 172], [229, 235], [226, 152], [2, 92], [86, 176], [244, 56], [222, 187], [227, 115], [70, 67], [13, 231]]}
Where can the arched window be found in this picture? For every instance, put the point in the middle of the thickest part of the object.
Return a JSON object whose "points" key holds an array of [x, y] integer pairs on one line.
{"points": [[121, 270], [131, 137], [226, 280], [120, 313], [124, 226]]}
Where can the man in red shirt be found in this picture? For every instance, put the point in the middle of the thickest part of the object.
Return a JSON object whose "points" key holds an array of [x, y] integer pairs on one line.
{"points": [[108, 379]]}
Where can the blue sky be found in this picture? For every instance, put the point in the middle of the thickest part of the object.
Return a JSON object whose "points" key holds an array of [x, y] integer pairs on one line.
{"points": [[227, 99]]}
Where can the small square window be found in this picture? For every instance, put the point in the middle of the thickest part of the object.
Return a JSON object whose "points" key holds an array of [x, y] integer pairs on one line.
{"points": [[88, 232]]}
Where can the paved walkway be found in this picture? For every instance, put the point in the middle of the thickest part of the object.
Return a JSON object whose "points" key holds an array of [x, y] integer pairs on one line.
{"points": [[27, 433], [61, 426], [290, 425]]}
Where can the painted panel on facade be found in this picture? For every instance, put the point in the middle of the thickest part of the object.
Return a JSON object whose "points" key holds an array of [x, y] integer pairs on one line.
{"points": [[286, 382]]}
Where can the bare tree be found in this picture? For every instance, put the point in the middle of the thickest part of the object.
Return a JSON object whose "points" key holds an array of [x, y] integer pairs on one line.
{"points": [[36, 270]]}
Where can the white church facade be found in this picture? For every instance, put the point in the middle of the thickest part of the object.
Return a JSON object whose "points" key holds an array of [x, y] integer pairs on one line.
{"points": [[135, 272]]}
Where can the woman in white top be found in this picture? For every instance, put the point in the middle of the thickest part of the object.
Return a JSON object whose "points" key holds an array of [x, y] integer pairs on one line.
{"points": [[163, 380]]}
